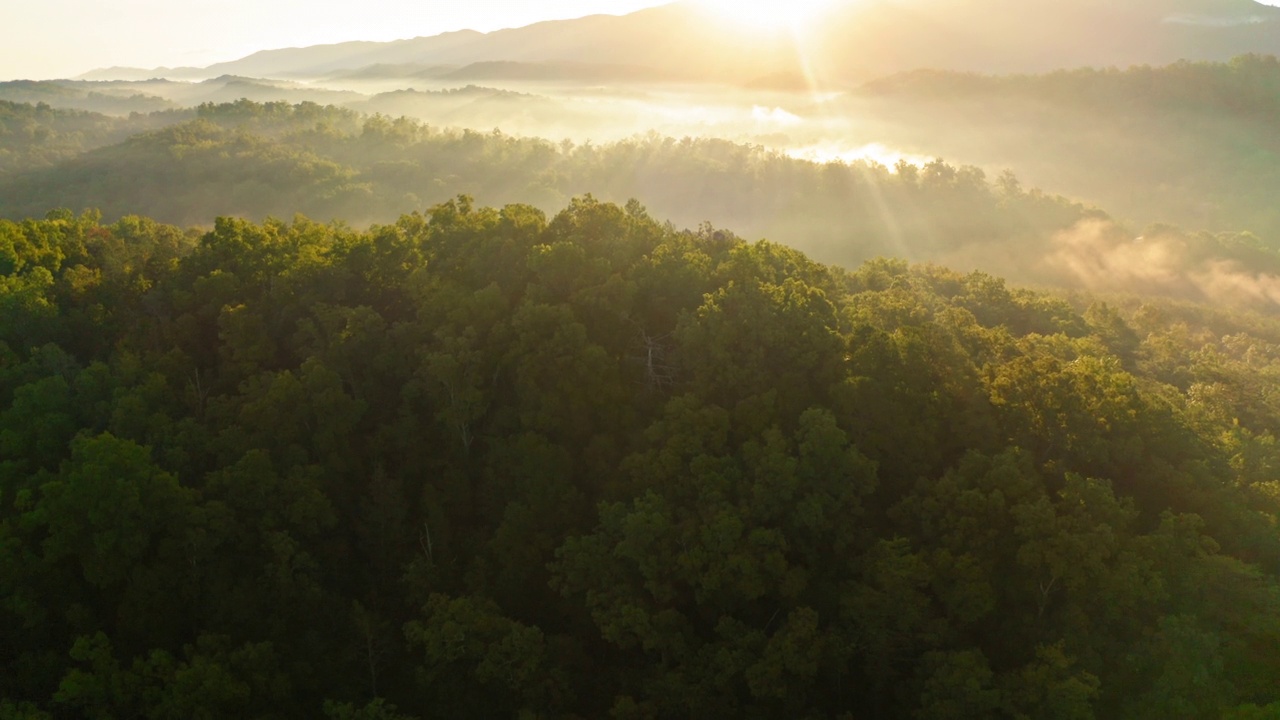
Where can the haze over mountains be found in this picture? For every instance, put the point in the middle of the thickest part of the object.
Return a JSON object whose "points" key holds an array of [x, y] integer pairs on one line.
{"points": [[1189, 143], [1185, 143], [854, 42]]}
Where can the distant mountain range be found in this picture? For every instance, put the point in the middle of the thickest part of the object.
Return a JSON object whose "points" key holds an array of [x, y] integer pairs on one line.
{"points": [[856, 41]]}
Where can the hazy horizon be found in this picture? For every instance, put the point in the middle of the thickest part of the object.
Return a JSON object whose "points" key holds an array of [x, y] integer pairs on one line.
{"points": [[67, 38]]}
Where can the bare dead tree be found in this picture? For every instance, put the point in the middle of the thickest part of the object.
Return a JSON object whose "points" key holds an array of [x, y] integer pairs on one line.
{"points": [[201, 394], [424, 542], [652, 356], [373, 645], [1045, 590]]}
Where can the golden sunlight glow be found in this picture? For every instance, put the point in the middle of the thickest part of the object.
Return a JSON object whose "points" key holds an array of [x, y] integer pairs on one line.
{"points": [[872, 152], [769, 14]]}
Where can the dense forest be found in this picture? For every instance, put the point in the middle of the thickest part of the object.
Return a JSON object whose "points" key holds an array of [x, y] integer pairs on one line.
{"points": [[476, 462]]}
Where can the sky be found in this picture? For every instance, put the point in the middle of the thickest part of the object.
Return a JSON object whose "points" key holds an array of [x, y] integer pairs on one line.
{"points": [[46, 39]]}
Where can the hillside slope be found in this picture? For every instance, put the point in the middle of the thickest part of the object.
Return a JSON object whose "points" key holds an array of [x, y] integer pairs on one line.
{"points": [[484, 463]]}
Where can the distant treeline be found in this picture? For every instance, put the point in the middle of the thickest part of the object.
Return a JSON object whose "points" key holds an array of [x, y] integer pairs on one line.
{"points": [[120, 99], [260, 160], [274, 159], [1189, 143], [40, 136], [1248, 85], [1192, 144], [477, 463]]}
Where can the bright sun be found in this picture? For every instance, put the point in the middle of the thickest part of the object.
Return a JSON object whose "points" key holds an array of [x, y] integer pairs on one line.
{"points": [[769, 14]]}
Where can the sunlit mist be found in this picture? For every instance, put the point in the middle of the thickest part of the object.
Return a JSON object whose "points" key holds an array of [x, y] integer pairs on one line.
{"points": [[873, 152]]}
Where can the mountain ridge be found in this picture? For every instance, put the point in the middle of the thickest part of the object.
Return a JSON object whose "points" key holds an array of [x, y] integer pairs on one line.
{"points": [[855, 42]]}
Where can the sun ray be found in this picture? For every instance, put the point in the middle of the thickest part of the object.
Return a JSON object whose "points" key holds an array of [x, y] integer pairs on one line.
{"points": [[769, 14]]}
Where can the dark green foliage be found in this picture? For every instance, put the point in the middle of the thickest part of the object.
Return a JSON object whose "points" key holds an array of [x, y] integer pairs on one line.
{"points": [[479, 463]]}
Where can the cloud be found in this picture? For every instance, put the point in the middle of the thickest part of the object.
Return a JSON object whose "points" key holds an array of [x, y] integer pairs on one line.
{"points": [[1102, 257], [775, 116], [1226, 281]]}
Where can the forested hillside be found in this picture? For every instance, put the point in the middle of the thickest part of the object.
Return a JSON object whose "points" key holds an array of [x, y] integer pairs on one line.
{"points": [[261, 160], [480, 463], [1246, 86], [256, 160], [39, 136], [1189, 143]]}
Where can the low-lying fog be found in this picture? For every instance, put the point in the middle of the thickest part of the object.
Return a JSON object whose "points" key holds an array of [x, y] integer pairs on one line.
{"points": [[823, 126], [1142, 159], [1192, 145]]}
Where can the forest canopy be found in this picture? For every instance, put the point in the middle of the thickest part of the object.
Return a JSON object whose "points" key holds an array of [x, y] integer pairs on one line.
{"points": [[317, 401], [484, 462]]}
